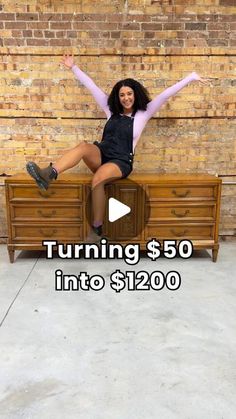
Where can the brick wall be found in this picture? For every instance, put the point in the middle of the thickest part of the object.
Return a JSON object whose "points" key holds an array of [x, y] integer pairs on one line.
{"points": [[44, 110]]}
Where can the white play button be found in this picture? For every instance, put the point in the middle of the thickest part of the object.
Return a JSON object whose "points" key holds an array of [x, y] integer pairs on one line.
{"points": [[117, 210]]}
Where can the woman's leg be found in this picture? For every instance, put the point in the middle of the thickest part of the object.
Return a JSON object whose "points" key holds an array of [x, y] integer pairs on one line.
{"points": [[105, 174], [90, 153]]}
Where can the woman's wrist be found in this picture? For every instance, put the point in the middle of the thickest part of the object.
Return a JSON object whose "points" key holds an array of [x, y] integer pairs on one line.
{"points": [[194, 75]]}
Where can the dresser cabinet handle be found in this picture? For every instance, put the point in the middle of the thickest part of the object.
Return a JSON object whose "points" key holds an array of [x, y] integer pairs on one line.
{"points": [[48, 233], [178, 234], [46, 194], [47, 215], [179, 215], [181, 195]]}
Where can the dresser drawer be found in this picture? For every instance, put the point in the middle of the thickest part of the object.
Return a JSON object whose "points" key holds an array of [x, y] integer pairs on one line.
{"points": [[36, 232], [21, 212], [175, 212], [183, 231], [180, 192], [58, 192]]}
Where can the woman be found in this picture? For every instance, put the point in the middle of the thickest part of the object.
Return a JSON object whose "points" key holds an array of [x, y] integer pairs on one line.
{"points": [[128, 109]]}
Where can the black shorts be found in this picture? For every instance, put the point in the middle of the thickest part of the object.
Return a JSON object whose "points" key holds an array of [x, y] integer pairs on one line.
{"points": [[125, 167]]}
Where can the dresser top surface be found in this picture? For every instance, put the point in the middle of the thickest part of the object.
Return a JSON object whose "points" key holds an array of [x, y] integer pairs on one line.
{"points": [[140, 177]]}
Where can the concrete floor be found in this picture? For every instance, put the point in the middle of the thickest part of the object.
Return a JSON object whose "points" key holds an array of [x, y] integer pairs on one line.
{"points": [[129, 355]]}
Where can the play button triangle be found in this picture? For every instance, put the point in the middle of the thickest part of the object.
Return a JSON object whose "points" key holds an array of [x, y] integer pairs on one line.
{"points": [[117, 209]]}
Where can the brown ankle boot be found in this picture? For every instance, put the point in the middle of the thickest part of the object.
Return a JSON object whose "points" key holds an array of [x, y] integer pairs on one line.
{"points": [[92, 237], [95, 235], [43, 177]]}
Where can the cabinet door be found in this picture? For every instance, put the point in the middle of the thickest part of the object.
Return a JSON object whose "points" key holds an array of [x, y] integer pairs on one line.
{"points": [[130, 226]]}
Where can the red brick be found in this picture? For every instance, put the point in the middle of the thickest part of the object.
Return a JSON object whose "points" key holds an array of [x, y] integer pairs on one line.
{"points": [[93, 17], [227, 3], [218, 34], [38, 25], [7, 16], [60, 34], [49, 34], [217, 42], [80, 17], [37, 42], [38, 34], [173, 43], [67, 16], [217, 26], [14, 42], [195, 26], [27, 34], [60, 25], [128, 26], [149, 35], [173, 26], [104, 34], [27, 16], [206, 18], [151, 26], [227, 18], [116, 18], [50, 17], [183, 34], [71, 34], [16, 34], [116, 34], [60, 42], [139, 18], [15, 25]]}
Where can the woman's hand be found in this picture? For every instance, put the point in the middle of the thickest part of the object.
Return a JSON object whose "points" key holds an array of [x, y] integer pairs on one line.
{"points": [[202, 80], [68, 61]]}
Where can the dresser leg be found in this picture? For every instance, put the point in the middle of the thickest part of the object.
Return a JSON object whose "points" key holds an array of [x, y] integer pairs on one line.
{"points": [[214, 254], [11, 255]]}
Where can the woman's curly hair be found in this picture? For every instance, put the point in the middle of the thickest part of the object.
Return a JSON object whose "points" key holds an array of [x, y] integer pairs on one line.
{"points": [[141, 96]]}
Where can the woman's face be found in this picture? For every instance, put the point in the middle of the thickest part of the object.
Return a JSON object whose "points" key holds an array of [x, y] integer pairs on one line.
{"points": [[126, 96]]}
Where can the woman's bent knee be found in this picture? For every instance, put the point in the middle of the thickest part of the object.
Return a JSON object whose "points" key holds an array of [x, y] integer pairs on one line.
{"points": [[81, 145], [97, 180]]}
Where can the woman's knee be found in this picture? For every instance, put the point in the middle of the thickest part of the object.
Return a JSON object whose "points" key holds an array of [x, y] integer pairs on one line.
{"points": [[82, 146], [98, 179], [106, 173], [82, 149]]}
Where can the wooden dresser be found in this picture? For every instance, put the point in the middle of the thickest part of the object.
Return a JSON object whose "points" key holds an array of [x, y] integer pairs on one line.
{"points": [[168, 206]]}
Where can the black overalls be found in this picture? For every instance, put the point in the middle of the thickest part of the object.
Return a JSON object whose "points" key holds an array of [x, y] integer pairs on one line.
{"points": [[117, 143]]}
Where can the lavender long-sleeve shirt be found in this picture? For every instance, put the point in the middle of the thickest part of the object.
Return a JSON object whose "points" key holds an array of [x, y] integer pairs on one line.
{"points": [[141, 117]]}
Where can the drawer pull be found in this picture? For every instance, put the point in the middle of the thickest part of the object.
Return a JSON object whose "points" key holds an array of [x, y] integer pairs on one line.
{"points": [[179, 215], [48, 233], [178, 234], [47, 215], [46, 194], [183, 195]]}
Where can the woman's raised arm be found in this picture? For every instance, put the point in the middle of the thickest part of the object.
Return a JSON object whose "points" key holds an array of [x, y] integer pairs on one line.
{"points": [[100, 97], [159, 100]]}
